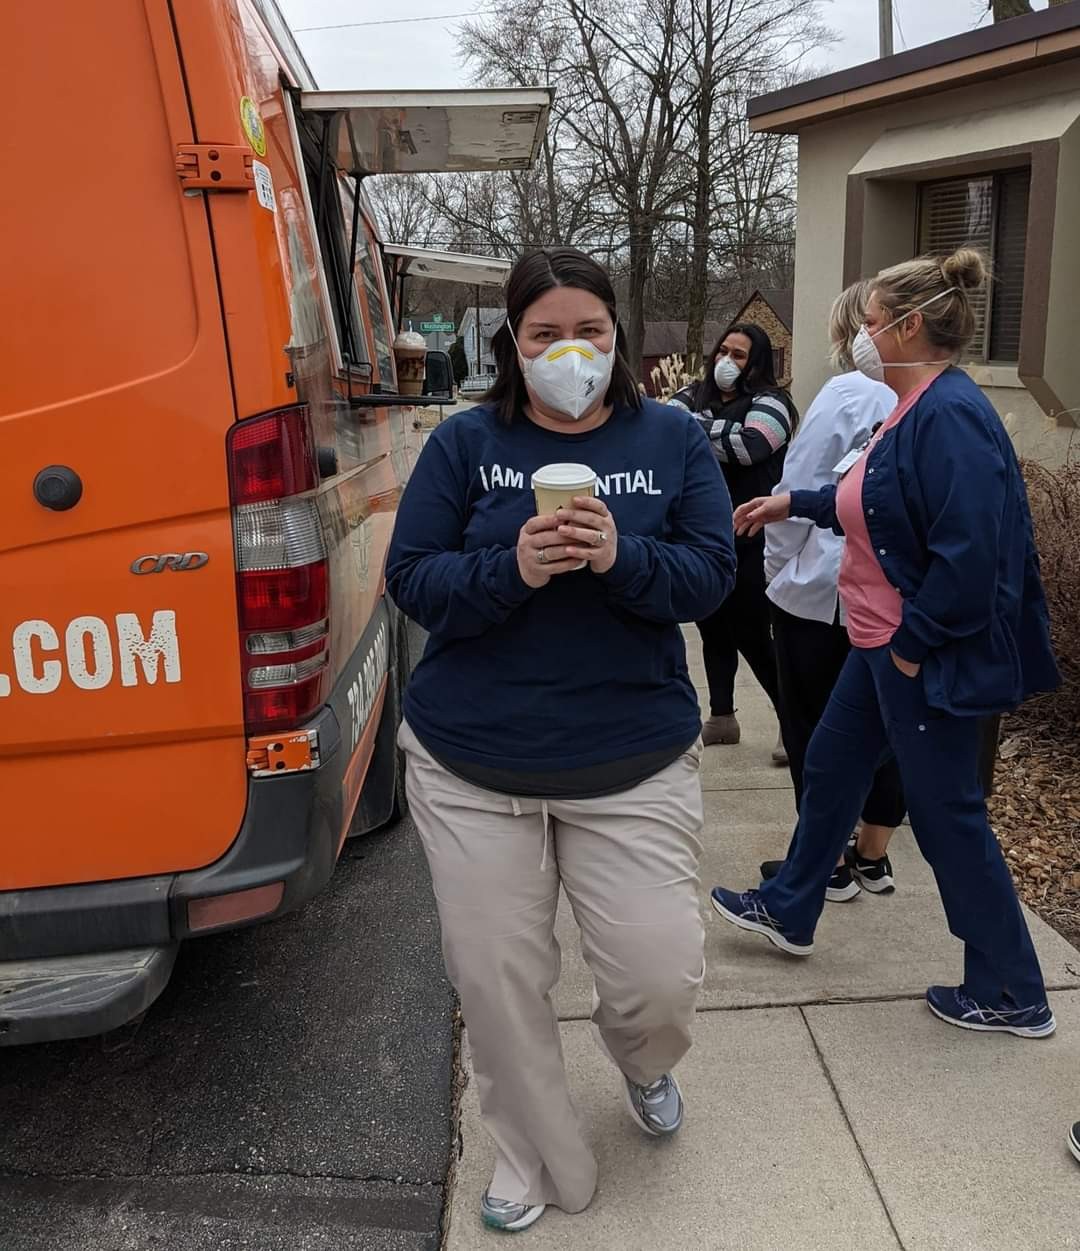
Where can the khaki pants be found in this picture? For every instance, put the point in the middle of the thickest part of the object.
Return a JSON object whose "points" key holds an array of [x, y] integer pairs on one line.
{"points": [[629, 866]]}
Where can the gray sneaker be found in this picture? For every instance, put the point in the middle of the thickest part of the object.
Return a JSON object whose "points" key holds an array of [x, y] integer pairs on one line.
{"points": [[658, 1107], [511, 1218]]}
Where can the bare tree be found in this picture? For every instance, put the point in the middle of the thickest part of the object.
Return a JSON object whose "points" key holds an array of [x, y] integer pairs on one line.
{"points": [[1004, 9], [714, 28], [1009, 8], [606, 180], [402, 202], [632, 66], [647, 163], [553, 203], [738, 48]]}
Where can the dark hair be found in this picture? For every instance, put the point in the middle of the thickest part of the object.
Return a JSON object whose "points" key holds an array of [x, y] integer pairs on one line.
{"points": [[533, 276], [758, 374]]}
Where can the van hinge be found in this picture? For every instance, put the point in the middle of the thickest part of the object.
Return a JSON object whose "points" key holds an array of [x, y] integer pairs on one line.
{"points": [[215, 166]]}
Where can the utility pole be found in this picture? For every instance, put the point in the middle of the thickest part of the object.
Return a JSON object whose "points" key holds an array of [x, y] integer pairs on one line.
{"points": [[885, 42], [478, 329]]}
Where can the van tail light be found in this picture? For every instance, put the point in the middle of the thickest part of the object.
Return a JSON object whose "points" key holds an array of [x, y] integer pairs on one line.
{"points": [[283, 585]]}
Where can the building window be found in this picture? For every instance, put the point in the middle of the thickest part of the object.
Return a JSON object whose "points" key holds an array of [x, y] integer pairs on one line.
{"points": [[989, 212], [778, 362]]}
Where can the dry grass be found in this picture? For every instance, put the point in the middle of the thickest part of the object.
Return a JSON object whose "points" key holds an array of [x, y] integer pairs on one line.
{"points": [[669, 376], [1036, 807]]}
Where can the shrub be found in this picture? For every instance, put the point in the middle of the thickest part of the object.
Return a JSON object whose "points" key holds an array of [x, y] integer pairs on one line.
{"points": [[1055, 508]]}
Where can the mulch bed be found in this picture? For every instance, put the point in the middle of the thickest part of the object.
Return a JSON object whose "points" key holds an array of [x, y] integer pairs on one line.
{"points": [[1035, 808]]}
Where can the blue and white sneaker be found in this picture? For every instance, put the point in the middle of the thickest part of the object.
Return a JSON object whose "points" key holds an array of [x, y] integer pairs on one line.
{"points": [[510, 1218], [1074, 1141], [954, 1005], [748, 912]]}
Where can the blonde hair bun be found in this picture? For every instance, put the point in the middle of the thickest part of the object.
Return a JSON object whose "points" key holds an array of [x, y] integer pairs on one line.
{"points": [[967, 269]]}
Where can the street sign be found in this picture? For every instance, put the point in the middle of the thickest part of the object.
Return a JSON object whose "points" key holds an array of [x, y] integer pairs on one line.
{"points": [[438, 326]]}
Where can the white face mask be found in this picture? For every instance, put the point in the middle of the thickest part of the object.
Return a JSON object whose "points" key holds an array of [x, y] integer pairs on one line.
{"points": [[727, 373], [864, 351], [569, 376]]}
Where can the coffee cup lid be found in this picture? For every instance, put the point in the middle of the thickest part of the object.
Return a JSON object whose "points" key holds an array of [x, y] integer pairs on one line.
{"points": [[564, 476]]}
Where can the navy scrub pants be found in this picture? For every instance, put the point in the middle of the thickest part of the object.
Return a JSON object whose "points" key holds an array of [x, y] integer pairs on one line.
{"points": [[876, 711]]}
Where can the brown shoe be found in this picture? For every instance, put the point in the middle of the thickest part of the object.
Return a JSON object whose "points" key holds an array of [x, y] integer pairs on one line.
{"points": [[723, 730], [779, 752]]}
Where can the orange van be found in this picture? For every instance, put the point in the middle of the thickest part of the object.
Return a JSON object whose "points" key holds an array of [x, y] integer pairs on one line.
{"points": [[202, 448]]}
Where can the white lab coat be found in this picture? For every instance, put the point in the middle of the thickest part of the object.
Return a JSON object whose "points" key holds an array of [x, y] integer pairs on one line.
{"points": [[802, 563]]}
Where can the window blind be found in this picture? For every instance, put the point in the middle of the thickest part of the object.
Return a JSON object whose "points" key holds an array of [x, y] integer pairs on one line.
{"points": [[954, 215], [1010, 246], [989, 212]]}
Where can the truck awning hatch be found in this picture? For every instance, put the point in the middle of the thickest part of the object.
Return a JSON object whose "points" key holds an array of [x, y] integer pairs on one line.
{"points": [[431, 132]]}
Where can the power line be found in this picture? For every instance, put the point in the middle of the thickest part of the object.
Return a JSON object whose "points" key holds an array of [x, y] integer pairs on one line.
{"points": [[899, 24], [388, 21]]}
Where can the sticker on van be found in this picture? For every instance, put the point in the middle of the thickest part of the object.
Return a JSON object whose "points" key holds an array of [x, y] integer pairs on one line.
{"points": [[97, 653], [253, 125], [364, 689], [264, 185]]}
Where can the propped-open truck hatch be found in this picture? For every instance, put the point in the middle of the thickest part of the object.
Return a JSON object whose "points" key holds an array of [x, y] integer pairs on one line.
{"points": [[410, 262], [432, 132]]}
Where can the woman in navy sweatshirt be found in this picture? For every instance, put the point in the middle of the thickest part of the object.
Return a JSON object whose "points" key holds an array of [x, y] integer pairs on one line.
{"points": [[948, 624], [552, 733]]}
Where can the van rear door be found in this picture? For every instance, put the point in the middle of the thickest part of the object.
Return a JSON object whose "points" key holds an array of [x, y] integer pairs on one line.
{"points": [[121, 723]]}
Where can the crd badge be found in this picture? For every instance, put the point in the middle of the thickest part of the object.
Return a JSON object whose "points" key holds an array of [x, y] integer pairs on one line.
{"points": [[171, 560]]}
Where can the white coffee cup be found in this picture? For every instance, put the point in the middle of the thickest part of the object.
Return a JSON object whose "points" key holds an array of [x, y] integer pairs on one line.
{"points": [[555, 487]]}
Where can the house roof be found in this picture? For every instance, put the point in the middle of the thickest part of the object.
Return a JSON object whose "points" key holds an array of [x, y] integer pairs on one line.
{"points": [[1009, 47], [665, 338], [780, 299], [490, 319]]}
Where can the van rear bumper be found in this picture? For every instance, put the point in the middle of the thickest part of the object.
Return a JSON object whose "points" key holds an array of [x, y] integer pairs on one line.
{"points": [[79, 960], [290, 834], [75, 996]]}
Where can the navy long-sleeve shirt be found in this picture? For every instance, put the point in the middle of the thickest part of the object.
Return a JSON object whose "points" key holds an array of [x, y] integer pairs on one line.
{"points": [[590, 668], [947, 513]]}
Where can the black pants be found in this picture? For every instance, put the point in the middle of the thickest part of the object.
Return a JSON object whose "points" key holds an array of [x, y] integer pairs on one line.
{"points": [[809, 657], [740, 626]]}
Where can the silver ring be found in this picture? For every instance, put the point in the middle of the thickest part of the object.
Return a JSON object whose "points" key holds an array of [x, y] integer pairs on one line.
{"points": [[541, 555], [601, 539]]}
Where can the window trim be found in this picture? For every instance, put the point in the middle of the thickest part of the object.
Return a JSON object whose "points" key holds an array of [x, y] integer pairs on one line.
{"points": [[1044, 156]]}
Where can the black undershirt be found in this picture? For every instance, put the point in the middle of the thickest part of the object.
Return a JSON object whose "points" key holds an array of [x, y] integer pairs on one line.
{"points": [[591, 782]]}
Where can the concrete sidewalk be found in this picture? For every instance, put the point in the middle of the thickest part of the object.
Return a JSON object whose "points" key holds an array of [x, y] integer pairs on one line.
{"points": [[826, 1107]]}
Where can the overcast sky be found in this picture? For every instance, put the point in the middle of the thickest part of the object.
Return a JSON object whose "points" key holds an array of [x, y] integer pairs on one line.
{"points": [[424, 54]]}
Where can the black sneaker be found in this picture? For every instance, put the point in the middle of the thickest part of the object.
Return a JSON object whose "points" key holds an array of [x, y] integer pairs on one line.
{"points": [[840, 889], [876, 876], [1074, 1140]]}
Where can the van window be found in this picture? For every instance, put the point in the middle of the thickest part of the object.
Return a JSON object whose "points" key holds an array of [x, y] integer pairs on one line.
{"points": [[324, 185], [376, 307]]}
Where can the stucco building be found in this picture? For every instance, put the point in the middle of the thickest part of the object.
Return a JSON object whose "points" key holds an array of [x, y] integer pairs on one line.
{"points": [[974, 139]]}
